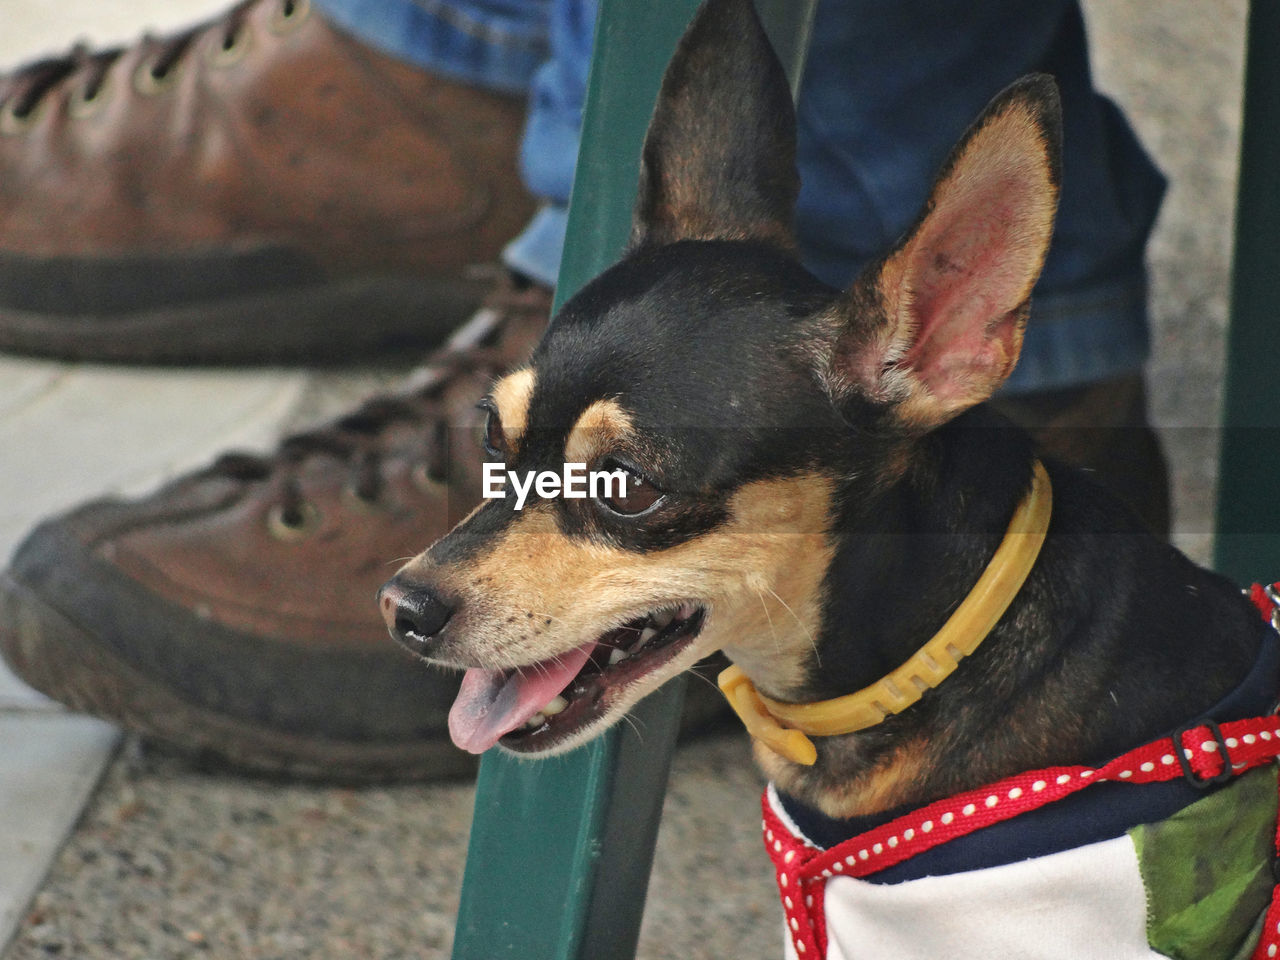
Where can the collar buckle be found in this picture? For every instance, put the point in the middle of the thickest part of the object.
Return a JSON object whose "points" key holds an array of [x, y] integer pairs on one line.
{"points": [[760, 723]]}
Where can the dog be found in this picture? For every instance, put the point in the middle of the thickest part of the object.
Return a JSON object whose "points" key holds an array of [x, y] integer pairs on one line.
{"points": [[933, 629]]}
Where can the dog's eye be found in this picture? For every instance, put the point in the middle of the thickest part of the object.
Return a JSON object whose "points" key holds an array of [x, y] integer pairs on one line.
{"points": [[636, 496], [495, 441]]}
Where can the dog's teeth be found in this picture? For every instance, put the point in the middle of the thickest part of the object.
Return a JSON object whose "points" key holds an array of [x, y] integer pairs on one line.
{"points": [[686, 611], [616, 655], [647, 634], [557, 704], [663, 619], [534, 722]]}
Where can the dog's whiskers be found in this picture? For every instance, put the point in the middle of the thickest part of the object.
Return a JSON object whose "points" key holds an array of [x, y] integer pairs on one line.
{"points": [[768, 616], [702, 678], [812, 642]]}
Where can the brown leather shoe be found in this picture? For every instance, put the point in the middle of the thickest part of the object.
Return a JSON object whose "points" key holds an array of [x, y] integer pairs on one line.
{"points": [[232, 612], [260, 187]]}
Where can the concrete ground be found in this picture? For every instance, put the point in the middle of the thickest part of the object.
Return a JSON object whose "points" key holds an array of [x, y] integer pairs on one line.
{"points": [[165, 860]]}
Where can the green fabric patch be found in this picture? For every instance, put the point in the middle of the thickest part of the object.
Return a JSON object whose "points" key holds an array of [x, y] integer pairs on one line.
{"points": [[1207, 870]]}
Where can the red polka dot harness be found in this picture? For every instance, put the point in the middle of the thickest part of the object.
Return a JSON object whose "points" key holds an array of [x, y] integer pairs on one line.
{"points": [[1204, 753]]}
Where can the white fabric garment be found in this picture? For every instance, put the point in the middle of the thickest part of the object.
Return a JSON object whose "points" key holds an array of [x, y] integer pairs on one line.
{"points": [[1088, 902]]}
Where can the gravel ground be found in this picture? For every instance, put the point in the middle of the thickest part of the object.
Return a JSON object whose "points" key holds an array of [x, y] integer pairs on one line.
{"points": [[171, 861]]}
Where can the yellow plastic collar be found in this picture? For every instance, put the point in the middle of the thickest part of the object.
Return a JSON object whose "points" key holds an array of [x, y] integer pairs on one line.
{"points": [[783, 726]]}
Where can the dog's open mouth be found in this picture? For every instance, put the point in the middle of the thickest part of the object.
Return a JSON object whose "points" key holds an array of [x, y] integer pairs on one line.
{"points": [[536, 707]]}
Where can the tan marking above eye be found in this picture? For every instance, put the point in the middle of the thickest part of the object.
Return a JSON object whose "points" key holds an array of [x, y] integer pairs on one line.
{"points": [[601, 426], [511, 396]]}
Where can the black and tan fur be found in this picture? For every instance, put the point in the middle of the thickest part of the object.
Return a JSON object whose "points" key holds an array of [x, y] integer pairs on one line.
{"points": [[833, 484]]}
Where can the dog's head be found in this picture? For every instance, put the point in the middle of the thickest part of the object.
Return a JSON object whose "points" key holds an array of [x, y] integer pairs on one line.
{"points": [[738, 396]]}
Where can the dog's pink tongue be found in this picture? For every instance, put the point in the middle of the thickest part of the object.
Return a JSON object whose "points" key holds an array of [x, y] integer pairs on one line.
{"points": [[491, 703]]}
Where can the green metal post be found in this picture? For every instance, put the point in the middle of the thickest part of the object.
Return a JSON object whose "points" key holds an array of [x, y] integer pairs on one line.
{"points": [[560, 851], [1248, 515]]}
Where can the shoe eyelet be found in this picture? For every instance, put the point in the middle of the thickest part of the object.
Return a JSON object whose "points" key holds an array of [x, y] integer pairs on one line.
{"points": [[423, 480], [149, 83], [12, 122], [289, 15], [232, 49], [293, 525], [81, 105], [358, 504]]}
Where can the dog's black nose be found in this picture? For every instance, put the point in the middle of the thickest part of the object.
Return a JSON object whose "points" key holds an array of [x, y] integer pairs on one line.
{"points": [[414, 615]]}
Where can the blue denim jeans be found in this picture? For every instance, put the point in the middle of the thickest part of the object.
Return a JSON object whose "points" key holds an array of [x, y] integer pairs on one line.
{"points": [[888, 90]]}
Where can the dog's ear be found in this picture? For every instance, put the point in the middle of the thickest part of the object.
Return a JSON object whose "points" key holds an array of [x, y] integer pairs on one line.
{"points": [[937, 326], [719, 156]]}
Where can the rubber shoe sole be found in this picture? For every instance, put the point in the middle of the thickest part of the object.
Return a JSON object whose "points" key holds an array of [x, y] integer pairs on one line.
{"points": [[57, 657], [321, 322]]}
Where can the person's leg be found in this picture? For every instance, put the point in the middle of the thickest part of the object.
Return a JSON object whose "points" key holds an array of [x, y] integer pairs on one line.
{"points": [[549, 150], [244, 190], [493, 44], [889, 88]]}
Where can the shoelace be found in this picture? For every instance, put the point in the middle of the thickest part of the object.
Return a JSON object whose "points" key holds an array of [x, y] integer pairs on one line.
{"points": [[355, 439], [24, 89]]}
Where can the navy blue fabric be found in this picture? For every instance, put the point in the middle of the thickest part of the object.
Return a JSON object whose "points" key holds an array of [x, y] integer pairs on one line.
{"points": [[1100, 812]]}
